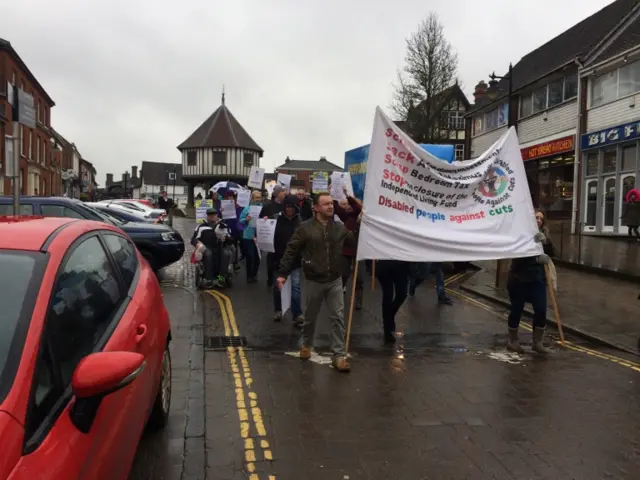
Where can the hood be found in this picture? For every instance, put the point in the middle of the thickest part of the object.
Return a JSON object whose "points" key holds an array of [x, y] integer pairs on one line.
{"points": [[140, 227]]}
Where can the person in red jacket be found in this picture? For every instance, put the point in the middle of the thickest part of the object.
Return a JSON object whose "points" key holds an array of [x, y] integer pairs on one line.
{"points": [[348, 211]]}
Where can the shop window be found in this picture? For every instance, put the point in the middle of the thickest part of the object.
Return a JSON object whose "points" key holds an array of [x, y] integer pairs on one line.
{"points": [[628, 183], [604, 88], [540, 99], [592, 203], [609, 202], [555, 92], [609, 161], [561, 185], [628, 158], [592, 164]]}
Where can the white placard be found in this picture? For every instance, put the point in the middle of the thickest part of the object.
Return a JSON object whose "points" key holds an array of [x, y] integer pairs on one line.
{"points": [[254, 213], [265, 231], [255, 177], [338, 181], [418, 208], [284, 180], [228, 209], [244, 198], [285, 295]]}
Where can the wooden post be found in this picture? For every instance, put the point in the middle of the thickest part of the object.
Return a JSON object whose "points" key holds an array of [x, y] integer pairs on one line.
{"points": [[373, 275], [554, 302], [351, 307]]}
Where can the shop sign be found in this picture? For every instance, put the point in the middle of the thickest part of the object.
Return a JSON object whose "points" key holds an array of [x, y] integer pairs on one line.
{"points": [[609, 136], [561, 145]]}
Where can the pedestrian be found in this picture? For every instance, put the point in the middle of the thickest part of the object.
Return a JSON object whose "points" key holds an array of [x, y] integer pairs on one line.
{"points": [[631, 213], [163, 202], [348, 210], [527, 283], [420, 272], [304, 205], [216, 258], [287, 222], [319, 243], [251, 254], [393, 276], [269, 210]]}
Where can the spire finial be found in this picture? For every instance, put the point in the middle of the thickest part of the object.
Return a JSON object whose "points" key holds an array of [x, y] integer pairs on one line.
{"points": [[222, 94]]}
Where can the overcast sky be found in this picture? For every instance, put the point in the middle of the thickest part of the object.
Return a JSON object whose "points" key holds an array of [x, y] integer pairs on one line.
{"points": [[134, 78]]}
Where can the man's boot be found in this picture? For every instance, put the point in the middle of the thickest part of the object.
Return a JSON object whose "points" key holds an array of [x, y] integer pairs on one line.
{"points": [[514, 342], [538, 338]]}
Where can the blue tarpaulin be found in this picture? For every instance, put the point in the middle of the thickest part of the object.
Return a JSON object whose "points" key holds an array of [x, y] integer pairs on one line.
{"points": [[355, 162]]}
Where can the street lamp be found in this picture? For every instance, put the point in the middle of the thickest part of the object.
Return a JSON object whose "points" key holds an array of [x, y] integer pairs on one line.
{"points": [[502, 266]]}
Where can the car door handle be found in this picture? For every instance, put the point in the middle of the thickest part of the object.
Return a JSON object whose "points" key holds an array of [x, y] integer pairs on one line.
{"points": [[141, 332]]}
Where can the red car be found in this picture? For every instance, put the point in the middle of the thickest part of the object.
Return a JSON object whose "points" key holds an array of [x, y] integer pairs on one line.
{"points": [[84, 350]]}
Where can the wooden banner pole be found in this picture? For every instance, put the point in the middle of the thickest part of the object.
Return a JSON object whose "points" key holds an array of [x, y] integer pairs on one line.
{"points": [[351, 307], [373, 275], [554, 302]]}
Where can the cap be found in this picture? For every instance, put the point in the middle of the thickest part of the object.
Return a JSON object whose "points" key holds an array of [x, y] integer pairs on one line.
{"points": [[290, 201], [212, 211]]}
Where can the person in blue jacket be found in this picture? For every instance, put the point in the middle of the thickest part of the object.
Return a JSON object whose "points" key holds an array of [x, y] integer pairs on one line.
{"points": [[252, 258]]}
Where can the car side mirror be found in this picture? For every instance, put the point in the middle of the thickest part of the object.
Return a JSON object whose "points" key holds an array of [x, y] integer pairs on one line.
{"points": [[98, 375]]}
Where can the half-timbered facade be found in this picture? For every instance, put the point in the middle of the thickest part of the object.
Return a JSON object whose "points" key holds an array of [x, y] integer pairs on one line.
{"points": [[220, 149]]}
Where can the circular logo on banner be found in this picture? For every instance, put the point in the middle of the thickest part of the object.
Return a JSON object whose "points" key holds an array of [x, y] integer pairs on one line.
{"points": [[494, 183]]}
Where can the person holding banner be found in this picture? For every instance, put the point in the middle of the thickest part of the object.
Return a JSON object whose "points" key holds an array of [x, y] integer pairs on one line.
{"points": [[251, 255], [319, 242], [528, 284], [268, 211], [287, 223]]}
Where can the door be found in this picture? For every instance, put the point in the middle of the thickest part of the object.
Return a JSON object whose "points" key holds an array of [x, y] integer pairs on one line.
{"points": [[86, 313], [591, 205], [628, 181], [609, 200]]}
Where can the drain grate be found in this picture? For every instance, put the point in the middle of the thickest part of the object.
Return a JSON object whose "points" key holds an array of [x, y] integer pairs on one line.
{"points": [[221, 342]]}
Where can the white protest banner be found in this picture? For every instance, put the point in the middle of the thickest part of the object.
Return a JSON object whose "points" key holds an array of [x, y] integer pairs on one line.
{"points": [[254, 213], [284, 180], [285, 295], [228, 209], [244, 198], [418, 208], [265, 231], [255, 177], [320, 182], [340, 180]]}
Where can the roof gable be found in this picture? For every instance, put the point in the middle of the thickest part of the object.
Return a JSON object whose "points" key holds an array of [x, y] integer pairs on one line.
{"points": [[6, 45], [221, 129], [321, 165]]}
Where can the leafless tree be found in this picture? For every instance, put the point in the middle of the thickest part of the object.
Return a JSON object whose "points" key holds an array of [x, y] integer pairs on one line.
{"points": [[431, 66]]}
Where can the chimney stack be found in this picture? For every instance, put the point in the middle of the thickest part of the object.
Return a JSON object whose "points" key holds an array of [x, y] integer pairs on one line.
{"points": [[287, 160], [109, 179], [134, 172], [323, 159], [480, 91]]}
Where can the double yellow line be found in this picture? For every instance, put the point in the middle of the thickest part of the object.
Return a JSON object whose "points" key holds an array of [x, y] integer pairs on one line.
{"points": [[527, 326], [252, 429]]}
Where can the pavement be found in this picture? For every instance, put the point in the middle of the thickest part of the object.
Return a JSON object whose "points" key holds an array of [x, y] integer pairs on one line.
{"points": [[447, 402], [601, 309]]}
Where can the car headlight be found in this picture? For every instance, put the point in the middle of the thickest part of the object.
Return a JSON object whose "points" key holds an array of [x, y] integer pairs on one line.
{"points": [[169, 237]]}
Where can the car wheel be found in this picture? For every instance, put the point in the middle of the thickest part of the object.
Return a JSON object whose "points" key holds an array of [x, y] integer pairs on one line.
{"points": [[162, 403]]}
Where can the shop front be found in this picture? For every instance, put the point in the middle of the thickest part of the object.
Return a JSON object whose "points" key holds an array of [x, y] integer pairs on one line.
{"points": [[549, 166], [610, 170]]}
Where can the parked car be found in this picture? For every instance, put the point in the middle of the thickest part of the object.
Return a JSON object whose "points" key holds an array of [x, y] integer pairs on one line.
{"points": [[84, 350], [159, 244], [149, 211], [122, 212]]}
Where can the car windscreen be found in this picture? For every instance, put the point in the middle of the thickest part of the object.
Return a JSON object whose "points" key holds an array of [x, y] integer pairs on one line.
{"points": [[20, 277]]}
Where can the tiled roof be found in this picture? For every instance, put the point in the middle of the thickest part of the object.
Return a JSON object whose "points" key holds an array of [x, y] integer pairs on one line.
{"points": [[221, 129], [572, 44], [6, 45], [321, 165], [628, 39], [157, 173]]}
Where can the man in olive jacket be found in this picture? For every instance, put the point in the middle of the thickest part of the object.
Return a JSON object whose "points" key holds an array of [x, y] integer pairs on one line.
{"points": [[319, 243]]}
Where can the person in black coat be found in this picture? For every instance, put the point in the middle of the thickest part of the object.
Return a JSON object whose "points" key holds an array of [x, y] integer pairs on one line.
{"points": [[269, 210]]}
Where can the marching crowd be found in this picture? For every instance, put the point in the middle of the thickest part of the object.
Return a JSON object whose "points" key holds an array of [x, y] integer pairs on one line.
{"points": [[318, 237]]}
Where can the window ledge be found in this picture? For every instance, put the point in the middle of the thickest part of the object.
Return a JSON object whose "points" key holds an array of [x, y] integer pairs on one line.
{"points": [[613, 101], [489, 131]]}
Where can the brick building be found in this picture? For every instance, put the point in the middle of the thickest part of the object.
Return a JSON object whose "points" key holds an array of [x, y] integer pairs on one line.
{"points": [[39, 168], [301, 171]]}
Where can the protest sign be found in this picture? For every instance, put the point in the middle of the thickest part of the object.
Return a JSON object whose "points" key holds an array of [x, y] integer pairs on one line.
{"points": [[256, 176], [254, 213], [340, 180], [320, 182], [244, 198], [265, 231], [269, 186], [284, 180], [201, 209], [420, 209], [228, 209], [285, 295]]}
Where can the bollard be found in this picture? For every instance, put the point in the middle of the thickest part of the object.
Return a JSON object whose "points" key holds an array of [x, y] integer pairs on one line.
{"points": [[170, 219]]}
